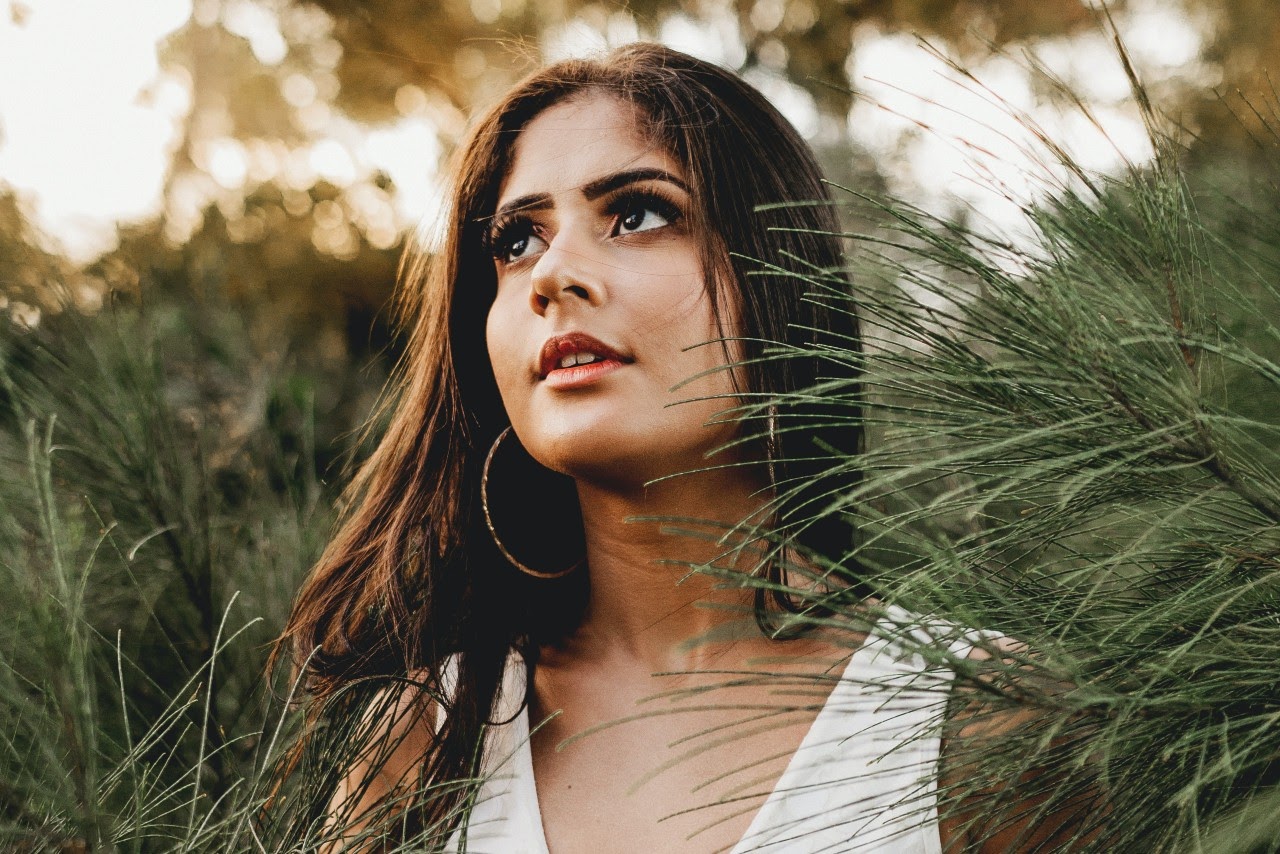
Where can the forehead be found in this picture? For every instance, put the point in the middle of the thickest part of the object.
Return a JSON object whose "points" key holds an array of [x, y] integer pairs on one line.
{"points": [[575, 141]]}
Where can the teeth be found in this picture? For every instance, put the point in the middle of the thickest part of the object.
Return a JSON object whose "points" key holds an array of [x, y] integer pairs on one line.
{"points": [[578, 359]]}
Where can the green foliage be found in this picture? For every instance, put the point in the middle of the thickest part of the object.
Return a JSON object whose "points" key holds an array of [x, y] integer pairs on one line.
{"points": [[162, 504], [1076, 445]]}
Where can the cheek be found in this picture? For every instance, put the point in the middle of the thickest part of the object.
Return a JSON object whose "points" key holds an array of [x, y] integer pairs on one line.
{"points": [[676, 307], [492, 334], [502, 345], [712, 324]]}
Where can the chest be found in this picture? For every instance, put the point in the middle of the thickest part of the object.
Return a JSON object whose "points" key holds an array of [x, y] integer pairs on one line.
{"points": [[792, 767], [683, 772]]}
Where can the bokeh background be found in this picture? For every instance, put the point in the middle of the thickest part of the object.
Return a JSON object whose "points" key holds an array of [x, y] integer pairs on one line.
{"points": [[202, 209], [277, 154], [273, 157]]}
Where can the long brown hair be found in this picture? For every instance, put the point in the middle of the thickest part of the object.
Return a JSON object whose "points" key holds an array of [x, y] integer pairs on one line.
{"points": [[412, 577]]}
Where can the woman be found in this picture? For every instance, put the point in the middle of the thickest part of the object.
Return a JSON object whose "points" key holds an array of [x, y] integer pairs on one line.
{"points": [[504, 561]]}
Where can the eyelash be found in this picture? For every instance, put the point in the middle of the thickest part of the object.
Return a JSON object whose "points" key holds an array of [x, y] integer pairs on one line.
{"points": [[506, 231], [511, 228], [635, 199]]}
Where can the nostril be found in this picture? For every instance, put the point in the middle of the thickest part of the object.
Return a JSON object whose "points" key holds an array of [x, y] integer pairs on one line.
{"points": [[579, 292], [540, 302]]}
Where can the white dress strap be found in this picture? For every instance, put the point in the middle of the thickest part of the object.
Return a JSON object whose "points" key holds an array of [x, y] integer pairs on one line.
{"points": [[863, 779], [505, 818]]}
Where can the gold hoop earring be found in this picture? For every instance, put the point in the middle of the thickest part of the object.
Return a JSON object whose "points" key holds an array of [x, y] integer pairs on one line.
{"points": [[520, 516], [772, 446]]}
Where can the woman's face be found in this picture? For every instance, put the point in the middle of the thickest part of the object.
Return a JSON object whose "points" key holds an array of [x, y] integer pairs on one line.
{"points": [[600, 297]]}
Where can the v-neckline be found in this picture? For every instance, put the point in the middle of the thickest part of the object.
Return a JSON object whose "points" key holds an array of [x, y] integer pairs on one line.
{"points": [[812, 737], [772, 803]]}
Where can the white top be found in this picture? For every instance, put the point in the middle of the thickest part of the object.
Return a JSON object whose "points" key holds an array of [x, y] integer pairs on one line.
{"points": [[862, 780]]}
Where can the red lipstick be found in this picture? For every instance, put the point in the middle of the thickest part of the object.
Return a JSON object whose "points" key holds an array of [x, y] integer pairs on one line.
{"points": [[577, 359]]}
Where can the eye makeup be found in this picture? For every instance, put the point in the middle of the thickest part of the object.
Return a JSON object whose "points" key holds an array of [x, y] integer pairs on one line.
{"points": [[505, 234], [512, 227], [635, 199]]}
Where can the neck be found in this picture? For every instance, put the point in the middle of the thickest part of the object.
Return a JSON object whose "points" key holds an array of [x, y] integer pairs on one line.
{"points": [[647, 603]]}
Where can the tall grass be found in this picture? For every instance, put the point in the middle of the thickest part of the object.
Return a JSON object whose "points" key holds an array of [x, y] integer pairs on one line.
{"points": [[162, 504], [1075, 443]]}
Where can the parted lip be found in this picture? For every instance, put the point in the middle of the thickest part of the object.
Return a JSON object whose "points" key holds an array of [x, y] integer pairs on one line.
{"points": [[573, 342]]}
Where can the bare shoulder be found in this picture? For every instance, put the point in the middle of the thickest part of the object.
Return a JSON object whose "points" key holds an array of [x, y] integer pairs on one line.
{"points": [[392, 737], [1002, 664], [1003, 725]]}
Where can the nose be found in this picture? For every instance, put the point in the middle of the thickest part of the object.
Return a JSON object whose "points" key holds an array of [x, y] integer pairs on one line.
{"points": [[567, 271]]}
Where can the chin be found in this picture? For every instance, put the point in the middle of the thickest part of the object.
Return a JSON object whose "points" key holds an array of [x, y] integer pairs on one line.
{"points": [[593, 452], [625, 455]]}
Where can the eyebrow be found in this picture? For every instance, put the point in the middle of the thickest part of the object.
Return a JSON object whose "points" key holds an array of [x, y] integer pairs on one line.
{"points": [[592, 190]]}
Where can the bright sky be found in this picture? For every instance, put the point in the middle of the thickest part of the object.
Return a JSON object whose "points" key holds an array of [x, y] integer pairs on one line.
{"points": [[944, 140], [87, 123], [75, 139]]}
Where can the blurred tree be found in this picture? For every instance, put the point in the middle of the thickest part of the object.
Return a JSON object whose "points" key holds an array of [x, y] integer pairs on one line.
{"points": [[25, 267], [313, 123], [268, 203], [274, 177], [469, 49], [1242, 56], [300, 310]]}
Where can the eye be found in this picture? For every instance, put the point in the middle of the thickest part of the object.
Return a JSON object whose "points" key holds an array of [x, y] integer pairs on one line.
{"points": [[636, 212], [514, 240], [641, 219]]}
